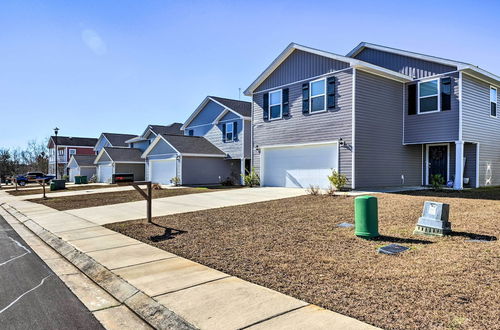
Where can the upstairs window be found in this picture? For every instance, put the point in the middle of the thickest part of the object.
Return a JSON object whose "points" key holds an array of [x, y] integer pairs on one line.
{"points": [[72, 151], [493, 101], [428, 96], [229, 132], [317, 95], [275, 104], [61, 152], [191, 132]]}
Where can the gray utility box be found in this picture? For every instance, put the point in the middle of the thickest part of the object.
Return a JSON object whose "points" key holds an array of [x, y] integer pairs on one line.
{"points": [[434, 220]]}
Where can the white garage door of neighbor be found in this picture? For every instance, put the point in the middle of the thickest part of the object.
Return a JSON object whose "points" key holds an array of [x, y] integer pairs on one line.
{"points": [[105, 173], [73, 172], [162, 170], [299, 167]]}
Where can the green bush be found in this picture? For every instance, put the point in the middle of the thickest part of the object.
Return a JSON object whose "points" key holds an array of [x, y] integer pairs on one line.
{"points": [[337, 180], [251, 179], [437, 181], [176, 181]]}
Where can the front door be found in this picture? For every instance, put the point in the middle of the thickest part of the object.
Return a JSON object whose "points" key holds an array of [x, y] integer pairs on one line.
{"points": [[438, 161]]}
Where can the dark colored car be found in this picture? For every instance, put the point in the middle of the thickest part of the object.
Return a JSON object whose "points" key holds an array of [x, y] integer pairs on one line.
{"points": [[31, 177]]}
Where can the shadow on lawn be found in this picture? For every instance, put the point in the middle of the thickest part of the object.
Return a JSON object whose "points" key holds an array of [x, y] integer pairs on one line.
{"points": [[392, 239], [473, 236], [170, 233], [490, 193]]}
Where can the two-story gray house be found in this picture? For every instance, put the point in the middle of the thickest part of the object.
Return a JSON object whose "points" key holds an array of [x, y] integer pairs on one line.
{"points": [[381, 116], [215, 146]]}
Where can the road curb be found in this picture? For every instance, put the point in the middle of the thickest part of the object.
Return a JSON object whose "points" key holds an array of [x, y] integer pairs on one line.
{"points": [[148, 309]]}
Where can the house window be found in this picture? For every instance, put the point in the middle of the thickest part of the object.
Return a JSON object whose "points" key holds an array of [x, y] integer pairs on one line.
{"points": [[72, 151], [191, 132], [493, 101], [274, 105], [428, 96], [317, 96], [61, 152], [229, 132]]}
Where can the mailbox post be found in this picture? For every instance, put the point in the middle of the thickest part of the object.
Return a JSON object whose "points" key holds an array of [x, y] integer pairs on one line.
{"points": [[148, 195]]}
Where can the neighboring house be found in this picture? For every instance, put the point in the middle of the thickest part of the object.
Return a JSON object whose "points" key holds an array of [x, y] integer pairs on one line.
{"points": [[116, 140], [192, 159], [216, 145], [67, 147], [151, 132], [81, 165], [114, 160], [381, 116]]}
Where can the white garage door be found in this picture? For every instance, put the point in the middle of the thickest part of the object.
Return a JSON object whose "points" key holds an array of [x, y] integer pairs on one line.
{"points": [[73, 172], [162, 170], [299, 167], [105, 172]]}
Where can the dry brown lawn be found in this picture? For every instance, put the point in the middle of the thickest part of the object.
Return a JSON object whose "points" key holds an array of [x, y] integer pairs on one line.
{"points": [[23, 192], [98, 199], [293, 246]]}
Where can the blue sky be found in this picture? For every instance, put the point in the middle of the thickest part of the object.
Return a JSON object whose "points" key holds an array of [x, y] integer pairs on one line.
{"points": [[115, 66]]}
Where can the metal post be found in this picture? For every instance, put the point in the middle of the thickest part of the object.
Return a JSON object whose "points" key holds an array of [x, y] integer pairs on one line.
{"points": [[150, 197], [56, 131]]}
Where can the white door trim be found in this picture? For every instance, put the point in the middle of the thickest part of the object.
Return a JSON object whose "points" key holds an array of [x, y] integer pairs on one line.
{"points": [[427, 160]]}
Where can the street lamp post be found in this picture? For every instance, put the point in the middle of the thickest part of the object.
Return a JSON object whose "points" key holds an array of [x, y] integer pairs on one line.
{"points": [[56, 131]]}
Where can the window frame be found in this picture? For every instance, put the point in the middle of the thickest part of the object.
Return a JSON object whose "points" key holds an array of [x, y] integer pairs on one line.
{"points": [[229, 131], [437, 95], [316, 96], [280, 91], [70, 150], [496, 102], [60, 151]]}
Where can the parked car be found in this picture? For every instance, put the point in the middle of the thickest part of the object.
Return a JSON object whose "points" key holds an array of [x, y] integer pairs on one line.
{"points": [[31, 177]]}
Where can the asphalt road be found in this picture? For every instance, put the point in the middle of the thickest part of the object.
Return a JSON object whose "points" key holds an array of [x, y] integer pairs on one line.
{"points": [[31, 295]]}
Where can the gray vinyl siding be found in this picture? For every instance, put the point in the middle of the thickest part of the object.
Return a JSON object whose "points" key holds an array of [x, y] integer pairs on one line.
{"points": [[104, 159], [479, 126], [410, 66], [299, 128], [298, 66], [137, 169], [143, 145], [207, 115], [162, 148], [434, 127], [214, 170], [380, 157], [234, 149]]}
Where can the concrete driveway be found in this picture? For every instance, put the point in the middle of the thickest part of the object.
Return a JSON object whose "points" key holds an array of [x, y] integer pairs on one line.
{"points": [[184, 203]]}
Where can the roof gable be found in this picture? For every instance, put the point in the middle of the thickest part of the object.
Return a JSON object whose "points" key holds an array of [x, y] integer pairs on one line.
{"points": [[351, 62], [72, 141], [213, 107]]}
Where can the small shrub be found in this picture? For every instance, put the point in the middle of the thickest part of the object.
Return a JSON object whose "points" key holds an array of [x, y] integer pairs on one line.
{"points": [[337, 180], [227, 182], [156, 186], [437, 181], [330, 191], [175, 181], [313, 190], [251, 179], [93, 179], [65, 177]]}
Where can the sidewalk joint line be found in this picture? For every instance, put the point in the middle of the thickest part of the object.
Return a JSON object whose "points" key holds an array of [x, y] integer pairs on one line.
{"points": [[143, 263], [65, 231], [192, 286], [86, 252], [272, 317], [82, 239]]}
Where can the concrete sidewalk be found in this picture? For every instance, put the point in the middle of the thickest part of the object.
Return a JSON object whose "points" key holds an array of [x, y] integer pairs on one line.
{"points": [[184, 203], [203, 297]]}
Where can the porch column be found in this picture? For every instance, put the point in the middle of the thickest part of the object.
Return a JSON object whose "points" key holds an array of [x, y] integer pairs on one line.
{"points": [[242, 170], [459, 165]]}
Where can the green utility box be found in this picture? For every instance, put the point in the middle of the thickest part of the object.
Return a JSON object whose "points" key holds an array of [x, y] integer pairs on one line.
{"points": [[57, 185], [366, 216], [81, 179]]}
